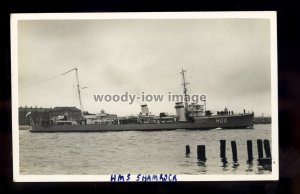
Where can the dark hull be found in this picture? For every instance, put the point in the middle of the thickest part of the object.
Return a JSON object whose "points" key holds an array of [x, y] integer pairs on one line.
{"points": [[201, 123]]}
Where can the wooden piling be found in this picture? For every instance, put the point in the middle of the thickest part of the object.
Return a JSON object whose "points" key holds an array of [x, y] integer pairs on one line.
{"points": [[201, 152], [267, 148], [234, 151], [260, 149], [249, 150], [187, 149], [223, 149]]}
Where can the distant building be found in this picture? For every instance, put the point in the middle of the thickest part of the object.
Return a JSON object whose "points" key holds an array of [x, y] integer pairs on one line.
{"points": [[68, 113], [262, 120], [34, 115]]}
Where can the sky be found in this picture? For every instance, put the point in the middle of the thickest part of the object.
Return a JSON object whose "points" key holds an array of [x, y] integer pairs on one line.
{"points": [[228, 60]]}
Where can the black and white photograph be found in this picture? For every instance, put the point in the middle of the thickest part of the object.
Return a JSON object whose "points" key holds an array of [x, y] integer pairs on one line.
{"points": [[144, 97]]}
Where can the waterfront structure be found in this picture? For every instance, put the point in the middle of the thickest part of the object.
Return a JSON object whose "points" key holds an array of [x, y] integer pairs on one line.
{"points": [[262, 120], [41, 116], [34, 115], [68, 113]]}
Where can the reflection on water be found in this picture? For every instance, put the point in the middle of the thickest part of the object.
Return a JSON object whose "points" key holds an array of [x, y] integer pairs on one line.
{"points": [[235, 164], [234, 167], [263, 168], [201, 163], [250, 168], [225, 167], [139, 152], [202, 166]]}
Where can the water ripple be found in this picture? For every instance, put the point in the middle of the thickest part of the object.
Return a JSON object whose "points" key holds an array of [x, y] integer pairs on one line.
{"points": [[137, 152]]}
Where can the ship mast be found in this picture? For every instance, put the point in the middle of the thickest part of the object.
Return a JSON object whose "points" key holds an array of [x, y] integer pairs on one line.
{"points": [[184, 83], [78, 88]]}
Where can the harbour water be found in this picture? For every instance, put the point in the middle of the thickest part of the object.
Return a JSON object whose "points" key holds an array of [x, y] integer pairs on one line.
{"points": [[136, 152]]}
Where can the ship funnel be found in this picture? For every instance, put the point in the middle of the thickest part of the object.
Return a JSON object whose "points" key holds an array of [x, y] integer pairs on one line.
{"points": [[180, 111], [145, 109]]}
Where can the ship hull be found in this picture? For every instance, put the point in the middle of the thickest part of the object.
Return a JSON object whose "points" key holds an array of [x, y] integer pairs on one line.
{"points": [[200, 123]]}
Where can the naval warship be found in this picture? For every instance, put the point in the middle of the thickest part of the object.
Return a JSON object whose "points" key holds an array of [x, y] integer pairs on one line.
{"points": [[188, 116]]}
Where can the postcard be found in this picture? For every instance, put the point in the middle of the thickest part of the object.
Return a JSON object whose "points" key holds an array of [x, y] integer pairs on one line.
{"points": [[144, 97]]}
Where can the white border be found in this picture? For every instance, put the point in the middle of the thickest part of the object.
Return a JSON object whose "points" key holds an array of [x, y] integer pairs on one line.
{"points": [[134, 15]]}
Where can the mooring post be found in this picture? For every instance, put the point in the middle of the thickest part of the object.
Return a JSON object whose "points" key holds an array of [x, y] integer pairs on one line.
{"points": [[201, 152], [267, 148], [260, 149], [223, 152], [234, 151], [187, 149], [249, 150], [223, 148]]}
